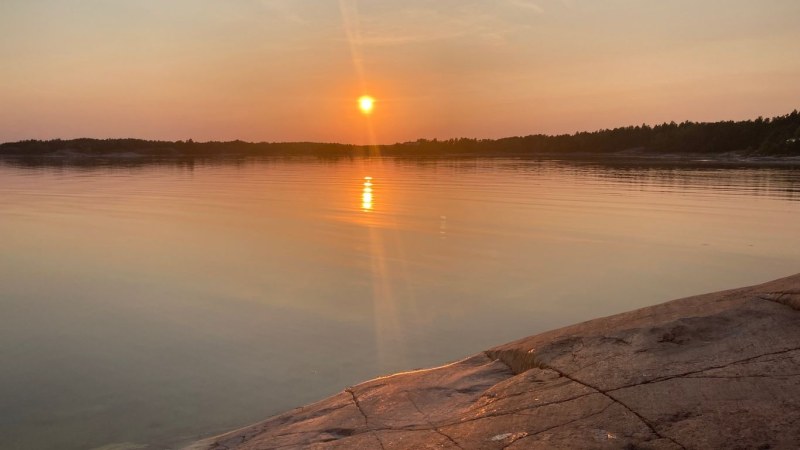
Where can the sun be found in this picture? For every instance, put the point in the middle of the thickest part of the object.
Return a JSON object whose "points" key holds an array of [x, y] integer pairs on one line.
{"points": [[366, 103]]}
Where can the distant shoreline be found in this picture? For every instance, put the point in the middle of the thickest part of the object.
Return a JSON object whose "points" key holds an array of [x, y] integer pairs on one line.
{"points": [[749, 141]]}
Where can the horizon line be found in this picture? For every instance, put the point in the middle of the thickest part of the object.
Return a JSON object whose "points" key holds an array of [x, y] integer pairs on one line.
{"points": [[191, 140]]}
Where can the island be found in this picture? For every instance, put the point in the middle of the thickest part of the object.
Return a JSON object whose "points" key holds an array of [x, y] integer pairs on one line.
{"points": [[719, 370]]}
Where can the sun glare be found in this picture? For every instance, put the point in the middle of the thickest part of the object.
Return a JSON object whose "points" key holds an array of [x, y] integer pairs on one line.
{"points": [[366, 103]]}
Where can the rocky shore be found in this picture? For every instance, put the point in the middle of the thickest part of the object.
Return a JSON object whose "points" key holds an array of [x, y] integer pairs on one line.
{"points": [[720, 370]]}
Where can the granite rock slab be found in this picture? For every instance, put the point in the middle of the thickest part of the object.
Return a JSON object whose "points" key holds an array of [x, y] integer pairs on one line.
{"points": [[719, 370]]}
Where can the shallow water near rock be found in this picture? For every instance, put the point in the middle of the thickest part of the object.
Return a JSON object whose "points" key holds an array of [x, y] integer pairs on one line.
{"points": [[146, 305]]}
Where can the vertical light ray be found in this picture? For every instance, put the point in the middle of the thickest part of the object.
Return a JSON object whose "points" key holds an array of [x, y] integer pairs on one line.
{"points": [[352, 28], [389, 277], [389, 333]]}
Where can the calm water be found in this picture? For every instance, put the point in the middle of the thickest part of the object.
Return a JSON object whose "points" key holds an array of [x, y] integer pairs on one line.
{"points": [[156, 304]]}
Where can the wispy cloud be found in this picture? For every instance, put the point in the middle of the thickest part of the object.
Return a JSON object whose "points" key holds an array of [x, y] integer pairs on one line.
{"points": [[569, 4], [425, 24], [285, 9], [351, 22], [526, 4]]}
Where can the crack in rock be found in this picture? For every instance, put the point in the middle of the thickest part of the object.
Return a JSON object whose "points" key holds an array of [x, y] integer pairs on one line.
{"points": [[570, 422], [786, 298], [616, 400], [358, 405], [733, 377], [693, 372], [518, 410], [610, 397], [427, 419], [364, 414]]}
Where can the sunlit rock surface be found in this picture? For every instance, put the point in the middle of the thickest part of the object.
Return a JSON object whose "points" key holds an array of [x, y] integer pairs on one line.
{"points": [[720, 370]]}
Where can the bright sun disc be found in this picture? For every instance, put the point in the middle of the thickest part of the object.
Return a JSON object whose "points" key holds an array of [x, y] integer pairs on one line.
{"points": [[366, 103]]}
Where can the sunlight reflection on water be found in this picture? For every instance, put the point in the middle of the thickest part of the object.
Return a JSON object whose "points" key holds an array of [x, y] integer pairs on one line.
{"points": [[366, 195]]}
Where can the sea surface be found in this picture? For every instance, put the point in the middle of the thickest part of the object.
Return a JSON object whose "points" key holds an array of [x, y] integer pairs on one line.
{"points": [[149, 304]]}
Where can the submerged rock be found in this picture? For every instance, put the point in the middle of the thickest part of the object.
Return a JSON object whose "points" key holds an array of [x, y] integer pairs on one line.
{"points": [[719, 370]]}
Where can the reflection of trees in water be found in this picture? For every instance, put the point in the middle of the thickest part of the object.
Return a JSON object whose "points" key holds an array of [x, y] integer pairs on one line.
{"points": [[756, 176], [765, 178], [95, 163]]}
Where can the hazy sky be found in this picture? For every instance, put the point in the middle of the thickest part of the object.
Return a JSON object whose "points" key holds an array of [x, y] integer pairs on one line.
{"points": [[291, 70]]}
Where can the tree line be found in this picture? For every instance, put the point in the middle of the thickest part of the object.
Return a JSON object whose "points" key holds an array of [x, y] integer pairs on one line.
{"points": [[776, 136]]}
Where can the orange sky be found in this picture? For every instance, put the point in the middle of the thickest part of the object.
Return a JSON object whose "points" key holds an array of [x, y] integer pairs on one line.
{"points": [[291, 70]]}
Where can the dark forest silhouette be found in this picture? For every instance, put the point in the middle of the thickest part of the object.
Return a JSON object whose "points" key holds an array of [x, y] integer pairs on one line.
{"points": [[777, 136]]}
